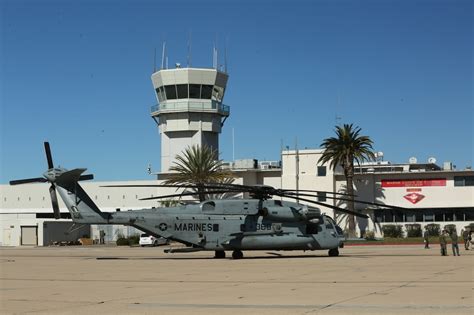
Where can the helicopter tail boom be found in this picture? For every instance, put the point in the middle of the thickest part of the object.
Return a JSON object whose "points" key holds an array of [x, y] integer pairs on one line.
{"points": [[80, 205]]}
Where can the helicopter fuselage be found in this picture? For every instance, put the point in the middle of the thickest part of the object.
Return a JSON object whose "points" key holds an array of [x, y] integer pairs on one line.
{"points": [[235, 224]]}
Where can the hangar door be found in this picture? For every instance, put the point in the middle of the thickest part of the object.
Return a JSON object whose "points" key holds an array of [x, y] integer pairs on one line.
{"points": [[64, 232], [29, 235]]}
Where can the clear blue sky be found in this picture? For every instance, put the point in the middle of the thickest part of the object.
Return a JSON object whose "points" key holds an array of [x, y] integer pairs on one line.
{"points": [[77, 73]]}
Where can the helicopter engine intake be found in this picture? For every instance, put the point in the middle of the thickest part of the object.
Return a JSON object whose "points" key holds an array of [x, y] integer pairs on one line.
{"points": [[290, 214]]}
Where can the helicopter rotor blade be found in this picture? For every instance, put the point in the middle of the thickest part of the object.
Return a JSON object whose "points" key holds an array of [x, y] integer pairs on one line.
{"points": [[214, 186], [329, 206], [28, 180], [190, 194], [317, 191], [49, 158], [86, 177], [358, 201], [54, 201]]}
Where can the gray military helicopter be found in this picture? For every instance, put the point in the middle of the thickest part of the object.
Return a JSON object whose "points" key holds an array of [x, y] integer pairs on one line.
{"points": [[254, 223]]}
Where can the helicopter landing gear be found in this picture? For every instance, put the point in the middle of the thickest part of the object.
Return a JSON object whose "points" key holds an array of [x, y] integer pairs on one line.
{"points": [[219, 254], [237, 254], [333, 252]]}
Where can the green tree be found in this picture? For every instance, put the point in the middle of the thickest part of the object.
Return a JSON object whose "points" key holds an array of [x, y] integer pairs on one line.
{"points": [[198, 166], [348, 146]]}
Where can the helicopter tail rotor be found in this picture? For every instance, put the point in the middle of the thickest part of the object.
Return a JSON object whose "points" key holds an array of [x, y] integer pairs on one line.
{"points": [[54, 176]]}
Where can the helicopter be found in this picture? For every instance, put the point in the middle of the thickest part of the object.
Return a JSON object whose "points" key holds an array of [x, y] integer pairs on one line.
{"points": [[257, 222]]}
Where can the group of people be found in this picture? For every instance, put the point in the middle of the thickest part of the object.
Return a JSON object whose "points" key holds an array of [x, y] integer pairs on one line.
{"points": [[443, 240]]}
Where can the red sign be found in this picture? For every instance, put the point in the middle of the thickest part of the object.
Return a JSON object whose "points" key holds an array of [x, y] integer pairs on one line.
{"points": [[414, 197], [389, 183]]}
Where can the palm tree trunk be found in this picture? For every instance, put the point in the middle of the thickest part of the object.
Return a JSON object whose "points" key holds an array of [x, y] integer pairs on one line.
{"points": [[201, 190], [349, 174], [350, 206]]}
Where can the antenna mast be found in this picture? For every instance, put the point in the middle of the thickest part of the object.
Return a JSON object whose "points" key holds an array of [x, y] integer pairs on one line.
{"points": [[189, 49], [154, 61], [225, 55], [163, 56]]}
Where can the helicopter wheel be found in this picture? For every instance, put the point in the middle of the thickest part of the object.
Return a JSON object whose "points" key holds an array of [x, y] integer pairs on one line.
{"points": [[333, 252], [237, 254], [219, 254]]}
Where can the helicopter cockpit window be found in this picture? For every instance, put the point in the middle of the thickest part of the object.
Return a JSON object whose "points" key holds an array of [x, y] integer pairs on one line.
{"points": [[209, 206], [328, 222], [312, 228], [337, 227], [170, 92]]}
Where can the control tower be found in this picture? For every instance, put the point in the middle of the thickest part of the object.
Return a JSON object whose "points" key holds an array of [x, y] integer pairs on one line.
{"points": [[190, 109]]}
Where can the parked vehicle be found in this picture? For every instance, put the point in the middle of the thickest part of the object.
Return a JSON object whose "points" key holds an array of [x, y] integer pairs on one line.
{"points": [[149, 240]]}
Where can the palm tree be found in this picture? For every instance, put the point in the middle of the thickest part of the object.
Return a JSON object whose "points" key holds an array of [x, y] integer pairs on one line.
{"points": [[197, 166], [348, 146]]}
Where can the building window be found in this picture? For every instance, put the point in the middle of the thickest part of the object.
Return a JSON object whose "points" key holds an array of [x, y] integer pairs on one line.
{"points": [[206, 92], [463, 181], [182, 90], [194, 91], [321, 196], [161, 94], [321, 170], [170, 92], [425, 215], [217, 93]]}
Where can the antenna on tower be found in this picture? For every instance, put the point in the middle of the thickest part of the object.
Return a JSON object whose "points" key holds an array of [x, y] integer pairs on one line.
{"points": [[189, 49], [214, 57], [215, 60], [225, 55], [163, 53], [154, 61]]}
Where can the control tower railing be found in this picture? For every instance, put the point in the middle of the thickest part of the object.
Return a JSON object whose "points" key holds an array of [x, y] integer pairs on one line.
{"points": [[191, 106]]}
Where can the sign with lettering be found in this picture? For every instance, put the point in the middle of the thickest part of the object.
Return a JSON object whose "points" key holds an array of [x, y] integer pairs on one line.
{"points": [[390, 183]]}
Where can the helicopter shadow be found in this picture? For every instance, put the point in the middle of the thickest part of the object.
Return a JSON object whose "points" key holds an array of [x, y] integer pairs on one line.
{"points": [[260, 257]]}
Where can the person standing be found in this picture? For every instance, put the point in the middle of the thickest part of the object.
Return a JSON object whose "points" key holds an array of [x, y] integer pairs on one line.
{"points": [[454, 242], [469, 239], [102, 237], [443, 241], [426, 238], [465, 238]]}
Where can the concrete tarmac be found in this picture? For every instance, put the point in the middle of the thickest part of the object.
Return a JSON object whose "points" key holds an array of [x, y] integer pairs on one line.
{"points": [[109, 280]]}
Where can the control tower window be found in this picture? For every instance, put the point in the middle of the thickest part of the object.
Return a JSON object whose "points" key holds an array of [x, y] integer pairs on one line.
{"points": [[161, 94], [217, 93], [170, 92], [194, 91], [182, 90], [206, 92]]}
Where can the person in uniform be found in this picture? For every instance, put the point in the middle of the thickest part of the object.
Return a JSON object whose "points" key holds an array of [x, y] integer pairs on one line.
{"points": [[465, 238], [454, 242], [443, 241], [426, 238]]}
